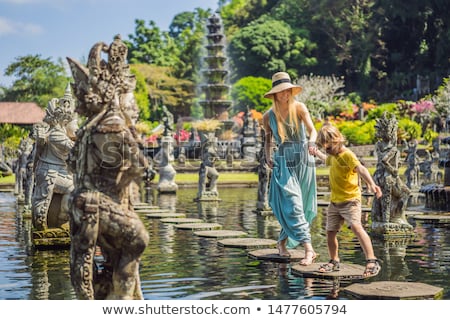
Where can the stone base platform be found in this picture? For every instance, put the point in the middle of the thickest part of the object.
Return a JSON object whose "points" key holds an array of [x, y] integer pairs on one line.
{"points": [[181, 220], [433, 218], [394, 290], [162, 215], [346, 272], [147, 206], [272, 255], [51, 238], [220, 233], [152, 210], [247, 243], [198, 226]]}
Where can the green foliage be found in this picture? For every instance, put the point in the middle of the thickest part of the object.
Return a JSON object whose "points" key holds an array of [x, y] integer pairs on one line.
{"points": [[377, 112], [248, 94], [357, 132], [151, 45], [266, 46], [38, 80], [141, 95], [409, 129], [430, 135], [10, 136], [164, 89], [441, 98]]}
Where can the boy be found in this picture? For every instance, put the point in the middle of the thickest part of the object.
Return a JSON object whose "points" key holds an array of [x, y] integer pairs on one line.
{"points": [[345, 204]]}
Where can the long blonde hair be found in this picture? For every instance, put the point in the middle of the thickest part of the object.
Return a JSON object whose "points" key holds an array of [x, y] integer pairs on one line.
{"points": [[291, 123]]}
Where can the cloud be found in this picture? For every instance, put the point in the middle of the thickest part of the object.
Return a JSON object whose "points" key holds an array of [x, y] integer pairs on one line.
{"points": [[8, 27]]}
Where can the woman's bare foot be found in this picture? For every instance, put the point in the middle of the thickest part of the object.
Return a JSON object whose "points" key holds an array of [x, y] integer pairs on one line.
{"points": [[282, 250]]}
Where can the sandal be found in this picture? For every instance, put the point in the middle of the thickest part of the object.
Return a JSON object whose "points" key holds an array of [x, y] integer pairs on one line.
{"points": [[374, 269], [310, 257], [330, 266]]}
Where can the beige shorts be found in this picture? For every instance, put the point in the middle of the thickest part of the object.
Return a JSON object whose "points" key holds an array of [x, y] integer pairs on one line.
{"points": [[349, 211]]}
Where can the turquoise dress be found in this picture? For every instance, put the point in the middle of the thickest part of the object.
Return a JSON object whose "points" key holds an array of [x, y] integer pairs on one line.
{"points": [[292, 188]]}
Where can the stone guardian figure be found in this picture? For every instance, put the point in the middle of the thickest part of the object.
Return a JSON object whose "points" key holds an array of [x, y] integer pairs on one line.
{"points": [[106, 159], [53, 179], [388, 212]]}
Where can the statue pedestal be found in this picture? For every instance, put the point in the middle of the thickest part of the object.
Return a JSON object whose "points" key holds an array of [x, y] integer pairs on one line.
{"points": [[391, 230], [51, 237]]}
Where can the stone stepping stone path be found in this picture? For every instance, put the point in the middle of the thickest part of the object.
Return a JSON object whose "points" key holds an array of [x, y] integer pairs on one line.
{"points": [[181, 220], [346, 272], [151, 210], [248, 243], [220, 233], [198, 226], [161, 215], [144, 206], [394, 290], [433, 218], [272, 255]]}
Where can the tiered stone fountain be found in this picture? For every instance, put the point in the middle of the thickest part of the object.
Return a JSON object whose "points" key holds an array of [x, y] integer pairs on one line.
{"points": [[216, 103]]}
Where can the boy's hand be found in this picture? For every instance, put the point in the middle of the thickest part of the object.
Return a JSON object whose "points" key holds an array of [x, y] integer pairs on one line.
{"points": [[377, 190]]}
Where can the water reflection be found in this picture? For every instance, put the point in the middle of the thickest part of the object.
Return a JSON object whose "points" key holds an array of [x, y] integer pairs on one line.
{"points": [[180, 265]]}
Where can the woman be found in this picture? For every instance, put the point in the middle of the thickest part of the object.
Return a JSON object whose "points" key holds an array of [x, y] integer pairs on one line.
{"points": [[292, 189]]}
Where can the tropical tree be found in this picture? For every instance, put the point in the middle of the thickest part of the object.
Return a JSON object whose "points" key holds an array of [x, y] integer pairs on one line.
{"points": [[36, 80], [266, 46], [248, 94]]}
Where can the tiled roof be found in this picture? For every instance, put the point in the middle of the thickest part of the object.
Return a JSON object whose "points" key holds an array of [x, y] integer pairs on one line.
{"points": [[20, 113]]}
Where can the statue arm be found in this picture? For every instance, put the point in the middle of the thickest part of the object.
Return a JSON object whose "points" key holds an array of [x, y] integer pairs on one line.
{"points": [[391, 154]]}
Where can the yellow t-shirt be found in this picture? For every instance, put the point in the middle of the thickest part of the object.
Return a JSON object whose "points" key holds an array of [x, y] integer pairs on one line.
{"points": [[344, 180]]}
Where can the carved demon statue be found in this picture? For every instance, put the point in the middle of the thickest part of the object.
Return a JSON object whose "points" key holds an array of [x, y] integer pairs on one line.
{"points": [[388, 212], [106, 159], [53, 180]]}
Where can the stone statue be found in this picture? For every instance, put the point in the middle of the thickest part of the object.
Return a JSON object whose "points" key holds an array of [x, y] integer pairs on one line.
{"points": [[430, 168], [167, 119], [106, 159], [22, 168], [208, 175], [167, 172], [53, 180], [413, 169], [264, 173], [388, 212]]}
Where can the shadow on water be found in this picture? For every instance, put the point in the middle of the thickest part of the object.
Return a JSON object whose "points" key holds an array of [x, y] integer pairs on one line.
{"points": [[177, 264]]}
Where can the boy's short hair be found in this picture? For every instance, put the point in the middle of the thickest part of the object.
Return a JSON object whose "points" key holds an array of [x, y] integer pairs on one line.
{"points": [[329, 134]]}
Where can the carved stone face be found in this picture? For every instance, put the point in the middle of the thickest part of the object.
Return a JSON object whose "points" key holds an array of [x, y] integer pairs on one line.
{"points": [[129, 106], [71, 128]]}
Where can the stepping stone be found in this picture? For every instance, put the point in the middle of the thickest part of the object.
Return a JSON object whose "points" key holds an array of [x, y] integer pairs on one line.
{"points": [[161, 215], [434, 218], [151, 210], [220, 233], [145, 206], [198, 226], [394, 290], [181, 220], [346, 272], [272, 255], [248, 243]]}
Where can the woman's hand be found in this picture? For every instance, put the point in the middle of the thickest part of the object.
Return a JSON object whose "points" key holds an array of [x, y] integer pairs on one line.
{"points": [[312, 148], [269, 163]]}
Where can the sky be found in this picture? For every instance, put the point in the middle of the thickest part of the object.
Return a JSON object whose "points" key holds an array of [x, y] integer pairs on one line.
{"points": [[69, 28]]}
